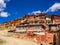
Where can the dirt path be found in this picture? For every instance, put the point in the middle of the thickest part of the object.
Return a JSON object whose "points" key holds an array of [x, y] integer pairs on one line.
{"points": [[16, 41]]}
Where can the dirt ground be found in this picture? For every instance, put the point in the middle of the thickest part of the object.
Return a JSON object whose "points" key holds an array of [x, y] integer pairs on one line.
{"points": [[14, 41]]}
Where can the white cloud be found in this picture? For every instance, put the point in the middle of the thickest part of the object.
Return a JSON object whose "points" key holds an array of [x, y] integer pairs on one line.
{"points": [[2, 8], [54, 7], [35, 12], [4, 14], [2, 5]]}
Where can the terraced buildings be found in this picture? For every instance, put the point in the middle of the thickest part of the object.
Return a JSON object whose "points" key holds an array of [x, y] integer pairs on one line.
{"points": [[10, 25], [31, 22], [37, 22]]}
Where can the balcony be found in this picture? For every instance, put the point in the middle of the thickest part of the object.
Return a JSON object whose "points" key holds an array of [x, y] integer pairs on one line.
{"points": [[53, 27], [29, 28]]}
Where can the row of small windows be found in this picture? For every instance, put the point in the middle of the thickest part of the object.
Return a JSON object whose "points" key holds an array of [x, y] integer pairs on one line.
{"points": [[30, 27]]}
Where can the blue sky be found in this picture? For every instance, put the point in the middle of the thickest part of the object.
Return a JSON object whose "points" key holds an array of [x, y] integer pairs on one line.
{"points": [[13, 9]]}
